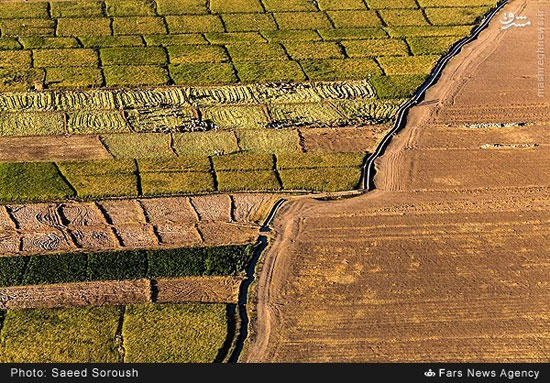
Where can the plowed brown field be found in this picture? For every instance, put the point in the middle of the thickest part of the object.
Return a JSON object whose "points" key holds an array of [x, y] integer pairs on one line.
{"points": [[449, 260]]}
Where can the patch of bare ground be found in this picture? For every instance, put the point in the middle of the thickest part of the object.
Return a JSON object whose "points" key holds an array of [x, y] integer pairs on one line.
{"points": [[347, 139], [121, 223], [165, 290], [448, 260]]}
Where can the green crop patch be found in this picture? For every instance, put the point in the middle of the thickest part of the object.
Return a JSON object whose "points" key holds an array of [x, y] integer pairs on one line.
{"points": [[56, 268], [32, 181], [408, 65], [101, 178], [313, 50], [11, 270], [18, 10], [121, 75], [374, 48], [27, 27], [456, 3], [289, 5], [203, 73], [182, 333], [133, 56], [304, 114], [15, 59], [455, 16], [390, 4], [165, 183], [180, 7], [194, 24], [269, 141], [179, 164], [243, 161], [196, 53], [430, 45], [111, 41], [235, 6], [267, 71], [64, 57], [174, 40], [352, 34], [401, 86], [234, 38], [73, 77], [116, 266], [86, 8], [402, 17], [250, 180], [205, 143], [129, 7], [84, 334], [138, 25], [83, 26], [143, 145], [249, 22], [31, 123], [429, 31], [295, 35], [354, 19], [38, 42], [287, 161], [336, 5], [326, 179], [236, 117], [334, 69], [256, 52], [9, 43], [83, 122], [302, 20]]}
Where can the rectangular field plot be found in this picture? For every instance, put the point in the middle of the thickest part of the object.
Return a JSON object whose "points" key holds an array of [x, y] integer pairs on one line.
{"points": [[170, 333], [60, 335]]}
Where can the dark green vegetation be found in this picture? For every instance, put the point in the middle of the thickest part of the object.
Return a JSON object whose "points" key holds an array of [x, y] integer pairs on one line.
{"points": [[154, 42], [182, 175], [189, 332], [123, 265]]}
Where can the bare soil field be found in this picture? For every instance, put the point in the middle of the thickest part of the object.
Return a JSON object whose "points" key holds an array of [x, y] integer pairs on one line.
{"points": [[449, 259], [110, 224]]}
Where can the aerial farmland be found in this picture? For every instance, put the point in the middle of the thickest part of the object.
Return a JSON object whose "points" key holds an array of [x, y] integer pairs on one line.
{"points": [[193, 181]]}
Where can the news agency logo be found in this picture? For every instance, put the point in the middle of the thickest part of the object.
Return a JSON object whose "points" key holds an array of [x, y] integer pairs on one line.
{"points": [[510, 20], [429, 373]]}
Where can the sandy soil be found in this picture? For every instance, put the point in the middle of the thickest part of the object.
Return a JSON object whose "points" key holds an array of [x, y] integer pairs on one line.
{"points": [[214, 220], [449, 259]]}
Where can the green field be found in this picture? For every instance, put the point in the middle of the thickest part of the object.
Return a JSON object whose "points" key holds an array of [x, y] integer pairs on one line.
{"points": [[190, 332]]}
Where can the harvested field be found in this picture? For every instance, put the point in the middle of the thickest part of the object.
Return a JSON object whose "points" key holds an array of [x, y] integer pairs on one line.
{"points": [[448, 260]]}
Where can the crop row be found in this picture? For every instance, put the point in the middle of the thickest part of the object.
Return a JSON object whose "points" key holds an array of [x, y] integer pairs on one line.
{"points": [[123, 265], [177, 333], [42, 181]]}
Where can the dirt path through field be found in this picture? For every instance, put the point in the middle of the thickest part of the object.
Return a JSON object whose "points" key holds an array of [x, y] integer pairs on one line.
{"points": [[449, 260]]}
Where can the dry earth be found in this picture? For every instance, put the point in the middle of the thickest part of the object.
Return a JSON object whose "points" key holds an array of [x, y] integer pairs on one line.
{"points": [[449, 260]]}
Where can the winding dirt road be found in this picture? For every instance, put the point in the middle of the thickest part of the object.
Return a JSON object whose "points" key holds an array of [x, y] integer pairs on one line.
{"points": [[449, 259]]}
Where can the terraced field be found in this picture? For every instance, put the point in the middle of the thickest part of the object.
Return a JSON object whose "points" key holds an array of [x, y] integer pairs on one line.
{"points": [[142, 144]]}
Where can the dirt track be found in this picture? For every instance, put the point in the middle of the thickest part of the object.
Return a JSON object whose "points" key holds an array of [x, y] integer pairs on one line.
{"points": [[449, 259]]}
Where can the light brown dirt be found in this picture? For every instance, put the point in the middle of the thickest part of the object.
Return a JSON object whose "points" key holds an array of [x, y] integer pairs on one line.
{"points": [[345, 139], [448, 260], [199, 289]]}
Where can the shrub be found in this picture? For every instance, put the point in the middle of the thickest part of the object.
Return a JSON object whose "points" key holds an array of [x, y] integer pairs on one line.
{"points": [[56, 268], [32, 181]]}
